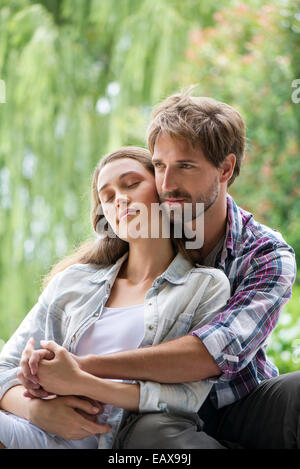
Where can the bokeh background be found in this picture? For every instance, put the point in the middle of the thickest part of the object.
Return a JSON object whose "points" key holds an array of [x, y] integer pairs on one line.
{"points": [[81, 78]]}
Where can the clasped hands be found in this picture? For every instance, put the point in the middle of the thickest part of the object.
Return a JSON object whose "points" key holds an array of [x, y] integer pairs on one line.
{"points": [[54, 372], [47, 371]]}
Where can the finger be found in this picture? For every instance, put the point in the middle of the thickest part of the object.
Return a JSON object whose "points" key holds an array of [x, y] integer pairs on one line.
{"points": [[26, 382], [86, 406], [94, 403], [35, 358], [33, 362], [30, 344], [91, 427], [24, 364], [34, 394], [50, 345], [27, 352]]}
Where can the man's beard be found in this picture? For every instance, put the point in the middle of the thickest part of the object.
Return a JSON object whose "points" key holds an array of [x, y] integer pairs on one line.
{"points": [[182, 215]]}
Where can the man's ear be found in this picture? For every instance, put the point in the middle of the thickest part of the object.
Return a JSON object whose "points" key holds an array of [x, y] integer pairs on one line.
{"points": [[227, 167]]}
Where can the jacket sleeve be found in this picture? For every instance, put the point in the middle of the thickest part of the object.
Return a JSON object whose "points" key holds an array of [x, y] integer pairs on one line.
{"points": [[33, 325], [188, 397]]}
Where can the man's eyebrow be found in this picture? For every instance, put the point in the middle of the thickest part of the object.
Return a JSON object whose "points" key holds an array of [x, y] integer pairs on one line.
{"points": [[158, 160], [120, 177]]}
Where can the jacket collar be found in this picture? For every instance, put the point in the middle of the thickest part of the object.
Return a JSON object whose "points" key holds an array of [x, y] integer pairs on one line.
{"points": [[177, 272]]}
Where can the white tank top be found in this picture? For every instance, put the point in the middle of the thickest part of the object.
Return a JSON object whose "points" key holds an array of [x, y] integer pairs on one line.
{"points": [[116, 329]]}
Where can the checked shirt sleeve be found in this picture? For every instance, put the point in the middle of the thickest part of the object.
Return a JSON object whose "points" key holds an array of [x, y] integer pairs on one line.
{"points": [[236, 334]]}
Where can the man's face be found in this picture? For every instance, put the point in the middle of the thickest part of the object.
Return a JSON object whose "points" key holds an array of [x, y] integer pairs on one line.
{"points": [[183, 174]]}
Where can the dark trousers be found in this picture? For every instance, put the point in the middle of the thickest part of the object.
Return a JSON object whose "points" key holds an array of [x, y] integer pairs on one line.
{"points": [[268, 418]]}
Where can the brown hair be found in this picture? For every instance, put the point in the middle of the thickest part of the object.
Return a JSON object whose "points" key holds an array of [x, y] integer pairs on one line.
{"points": [[107, 250], [218, 128]]}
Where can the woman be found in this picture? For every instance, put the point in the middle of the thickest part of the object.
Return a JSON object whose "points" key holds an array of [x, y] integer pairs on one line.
{"points": [[117, 293]]}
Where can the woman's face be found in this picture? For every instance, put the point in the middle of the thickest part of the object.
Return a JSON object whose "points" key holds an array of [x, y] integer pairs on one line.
{"points": [[126, 191]]}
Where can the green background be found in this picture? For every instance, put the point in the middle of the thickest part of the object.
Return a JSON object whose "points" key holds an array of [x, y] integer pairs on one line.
{"points": [[81, 78]]}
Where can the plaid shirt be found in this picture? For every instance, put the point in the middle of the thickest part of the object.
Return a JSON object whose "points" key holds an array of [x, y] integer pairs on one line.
{"points": [[261, 269]]}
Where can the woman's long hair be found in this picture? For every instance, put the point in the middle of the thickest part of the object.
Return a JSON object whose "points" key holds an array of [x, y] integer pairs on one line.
{"points": [[107, 250]]}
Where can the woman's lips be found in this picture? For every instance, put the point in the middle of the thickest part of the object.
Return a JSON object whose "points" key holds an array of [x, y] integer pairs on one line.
{"points": [[126, 213]]}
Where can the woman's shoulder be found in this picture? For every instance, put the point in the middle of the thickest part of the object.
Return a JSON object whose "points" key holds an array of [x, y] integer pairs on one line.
{"points": [[84, 270], [216, 274], [76, 274]]}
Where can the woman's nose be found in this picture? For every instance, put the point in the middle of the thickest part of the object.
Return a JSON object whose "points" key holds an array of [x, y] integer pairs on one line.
{"points": [[122, 201]]}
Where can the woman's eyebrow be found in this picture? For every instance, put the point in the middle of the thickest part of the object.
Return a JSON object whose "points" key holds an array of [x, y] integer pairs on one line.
{"points": [[120, 177]]}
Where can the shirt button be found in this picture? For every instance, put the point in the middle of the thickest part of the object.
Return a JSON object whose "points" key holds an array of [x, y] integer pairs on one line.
{"points": [[150, 327], [96, 314], [150, 304]]}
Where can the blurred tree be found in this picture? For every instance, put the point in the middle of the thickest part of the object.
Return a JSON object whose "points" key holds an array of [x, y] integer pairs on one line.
{"points": [[81, 77]]}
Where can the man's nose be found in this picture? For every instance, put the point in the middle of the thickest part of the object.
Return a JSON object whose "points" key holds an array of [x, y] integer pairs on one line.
{"points": [[169, 183]]}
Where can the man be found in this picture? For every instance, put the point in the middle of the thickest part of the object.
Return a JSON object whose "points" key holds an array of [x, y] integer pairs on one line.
{"points": [[198, 145]]}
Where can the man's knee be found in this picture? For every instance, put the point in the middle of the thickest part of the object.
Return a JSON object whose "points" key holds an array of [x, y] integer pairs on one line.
{"points": [[144, 431], [164, 430], [2, 446], [290, 383]]}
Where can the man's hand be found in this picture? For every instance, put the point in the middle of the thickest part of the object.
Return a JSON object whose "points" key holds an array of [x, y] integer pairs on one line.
{"points": [[68, 417], [62, 374], [29, 365]]}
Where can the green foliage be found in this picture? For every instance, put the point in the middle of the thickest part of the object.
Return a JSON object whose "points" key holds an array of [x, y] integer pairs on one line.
{"points": [[81, 78]]}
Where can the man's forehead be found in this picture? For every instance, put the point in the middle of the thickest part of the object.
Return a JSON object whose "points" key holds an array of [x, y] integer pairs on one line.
{"points": [[176, 148]]}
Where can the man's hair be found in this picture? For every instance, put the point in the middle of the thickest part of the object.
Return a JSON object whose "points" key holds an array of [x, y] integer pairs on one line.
{"points": [[218, 128]]}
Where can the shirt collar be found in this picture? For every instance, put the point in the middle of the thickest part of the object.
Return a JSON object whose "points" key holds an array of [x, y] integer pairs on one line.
{"points": [[177, 272], [107, 273], [234, 225]]}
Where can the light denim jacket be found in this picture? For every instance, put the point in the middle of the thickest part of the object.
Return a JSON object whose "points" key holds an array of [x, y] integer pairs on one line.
{"points": [[182, 299]]}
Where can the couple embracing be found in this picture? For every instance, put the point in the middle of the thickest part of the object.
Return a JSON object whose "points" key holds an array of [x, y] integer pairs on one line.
{"points": [[142, 341]]}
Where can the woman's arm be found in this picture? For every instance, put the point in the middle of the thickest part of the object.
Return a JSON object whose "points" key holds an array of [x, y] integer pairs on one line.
{"points": [[14, 402], [69, 417], [62, 376]]}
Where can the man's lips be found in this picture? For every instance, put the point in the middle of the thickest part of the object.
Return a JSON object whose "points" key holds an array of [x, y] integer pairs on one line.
{"points": [[174, 201]]}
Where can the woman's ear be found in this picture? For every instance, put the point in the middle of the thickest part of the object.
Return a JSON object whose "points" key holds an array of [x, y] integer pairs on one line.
{"points": [[227, 167]]}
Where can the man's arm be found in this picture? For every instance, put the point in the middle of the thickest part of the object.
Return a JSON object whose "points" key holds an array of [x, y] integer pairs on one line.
{"points": [[225, 345], [180, 360]]}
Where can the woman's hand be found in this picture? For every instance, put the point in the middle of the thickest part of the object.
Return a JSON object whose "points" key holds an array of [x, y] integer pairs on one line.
{"points": [[60, 375], [69, 417], [29, 365]]}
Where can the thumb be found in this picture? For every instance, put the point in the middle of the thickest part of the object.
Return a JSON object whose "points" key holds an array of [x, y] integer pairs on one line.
{"points": [[50, 345]]}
